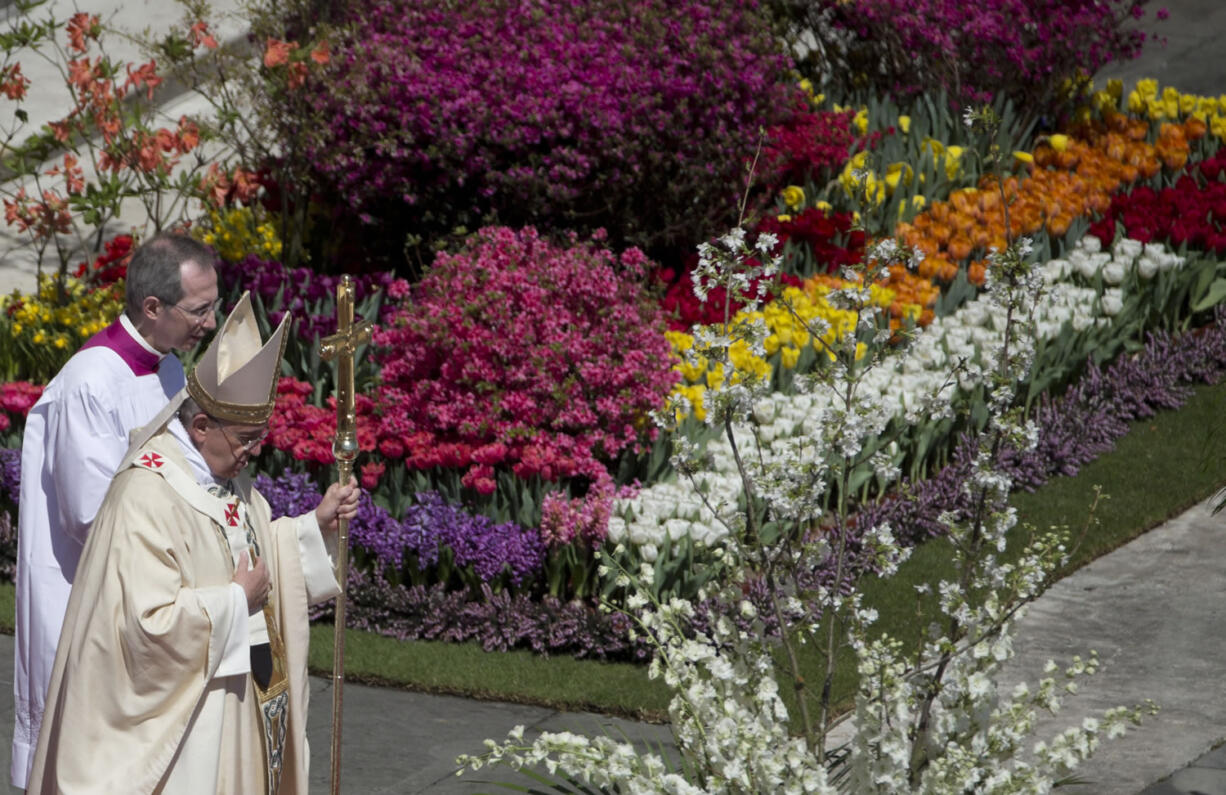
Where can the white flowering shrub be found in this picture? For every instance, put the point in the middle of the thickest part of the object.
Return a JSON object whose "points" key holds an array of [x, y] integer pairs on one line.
{"points": [[928, 717]]}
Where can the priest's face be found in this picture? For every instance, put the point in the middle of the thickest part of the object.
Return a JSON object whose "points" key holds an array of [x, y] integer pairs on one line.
{"points": [[227, 448], [181, 326]]}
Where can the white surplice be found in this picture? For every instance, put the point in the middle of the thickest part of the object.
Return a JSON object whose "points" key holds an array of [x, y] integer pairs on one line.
{"points": [[75, 438]]}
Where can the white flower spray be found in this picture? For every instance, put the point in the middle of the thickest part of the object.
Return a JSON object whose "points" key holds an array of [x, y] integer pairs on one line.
{"points": [[927, 718]]}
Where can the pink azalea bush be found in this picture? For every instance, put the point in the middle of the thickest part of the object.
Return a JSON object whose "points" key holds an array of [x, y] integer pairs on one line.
{"points": [[516, 352], [1023, 49], [636, 117]]}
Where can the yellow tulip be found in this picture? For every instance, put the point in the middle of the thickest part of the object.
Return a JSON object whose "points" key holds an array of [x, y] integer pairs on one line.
{"points": [[904, 124], [861, 120], [794, 196], [897, 172], [1217, 125], [953, 161]]}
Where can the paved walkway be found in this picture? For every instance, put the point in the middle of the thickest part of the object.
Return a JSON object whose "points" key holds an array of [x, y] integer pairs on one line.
{"points": [[1153, 610]]}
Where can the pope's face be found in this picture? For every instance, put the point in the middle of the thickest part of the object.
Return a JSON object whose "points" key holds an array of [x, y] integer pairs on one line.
{"points": [[227, 448]]}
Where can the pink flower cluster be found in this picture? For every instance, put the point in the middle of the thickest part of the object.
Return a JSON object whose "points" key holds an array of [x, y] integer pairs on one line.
{"points": [[17, 398], [517, 352], [585, 519]]}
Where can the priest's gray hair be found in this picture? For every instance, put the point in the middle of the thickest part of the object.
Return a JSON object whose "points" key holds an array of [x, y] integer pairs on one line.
{"points": [[155, 269]]}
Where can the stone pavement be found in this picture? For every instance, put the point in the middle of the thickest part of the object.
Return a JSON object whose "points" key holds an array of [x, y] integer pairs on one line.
{"points": [[1153, 609]]}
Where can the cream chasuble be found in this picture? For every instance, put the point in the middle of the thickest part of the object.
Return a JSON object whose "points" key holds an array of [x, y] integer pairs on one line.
{"points": [[151, 689]]}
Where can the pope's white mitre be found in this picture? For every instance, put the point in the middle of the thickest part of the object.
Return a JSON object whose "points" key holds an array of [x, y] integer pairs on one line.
{"points": [[236, 378]]}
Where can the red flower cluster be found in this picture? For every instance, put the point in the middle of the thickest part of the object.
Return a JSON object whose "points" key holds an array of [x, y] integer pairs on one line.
{"points": [[1193, 211], [683, 310], [812, 242], [816, 242], [111, 265], [810, 146], [305, 431]]}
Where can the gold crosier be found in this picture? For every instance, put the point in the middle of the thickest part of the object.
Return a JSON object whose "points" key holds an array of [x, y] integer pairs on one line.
{"points": [[342, 347]]}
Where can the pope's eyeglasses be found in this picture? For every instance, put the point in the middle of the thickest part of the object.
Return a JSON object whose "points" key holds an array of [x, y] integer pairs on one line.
{"points": [[247, 445]]}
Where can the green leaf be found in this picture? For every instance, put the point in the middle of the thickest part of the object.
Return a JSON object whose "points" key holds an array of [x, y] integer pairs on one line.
{"points": [[1214, 296]]}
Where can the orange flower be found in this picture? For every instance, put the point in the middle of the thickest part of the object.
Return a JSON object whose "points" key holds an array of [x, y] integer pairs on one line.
{"points": [[959, 247], [276, 53], [80, 26], [246, 186], [297, 74], [201, 37], [81, 74], [321, 55], [13, 83], [189, 135], [145, 73]]}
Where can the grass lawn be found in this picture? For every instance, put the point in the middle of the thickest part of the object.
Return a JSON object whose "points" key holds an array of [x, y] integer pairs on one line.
{"points": [[1163, 466]]}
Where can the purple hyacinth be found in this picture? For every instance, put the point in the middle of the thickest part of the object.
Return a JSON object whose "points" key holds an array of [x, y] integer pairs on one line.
{"points": [[10, 473]]}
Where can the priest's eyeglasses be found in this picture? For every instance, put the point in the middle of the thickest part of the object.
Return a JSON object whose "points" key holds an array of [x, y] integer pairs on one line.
{"points": [[200, 314]]}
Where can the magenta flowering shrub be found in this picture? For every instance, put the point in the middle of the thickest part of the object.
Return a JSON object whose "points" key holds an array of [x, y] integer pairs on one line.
{"points": [[636, 117], [516, 352], [1023, 49]]}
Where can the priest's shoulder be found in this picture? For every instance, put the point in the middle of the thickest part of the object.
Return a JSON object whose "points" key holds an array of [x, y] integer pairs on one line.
{"points": [[94, 370]]}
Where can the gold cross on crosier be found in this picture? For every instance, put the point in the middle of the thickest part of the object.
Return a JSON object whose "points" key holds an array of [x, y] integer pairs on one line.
{"points": [[342, 346]]}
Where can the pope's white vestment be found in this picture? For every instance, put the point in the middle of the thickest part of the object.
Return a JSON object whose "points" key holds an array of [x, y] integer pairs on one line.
{"points": [[151, 690], [75, 437]]}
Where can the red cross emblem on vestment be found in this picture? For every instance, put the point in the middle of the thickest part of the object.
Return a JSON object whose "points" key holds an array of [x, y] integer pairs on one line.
{"points": [[232, 514], [151, 460]]}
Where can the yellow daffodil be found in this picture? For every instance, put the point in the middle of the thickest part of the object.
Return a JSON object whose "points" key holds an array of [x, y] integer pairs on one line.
{"points": [[1058, 141], [1023, 157], [794, 196]]}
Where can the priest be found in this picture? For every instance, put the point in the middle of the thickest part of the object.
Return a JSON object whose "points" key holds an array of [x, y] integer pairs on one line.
{"points": [[182, 663], [75, 437]]}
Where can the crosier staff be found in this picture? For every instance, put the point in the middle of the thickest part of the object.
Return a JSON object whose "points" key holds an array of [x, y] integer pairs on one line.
{"points": [[342, 346]]}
